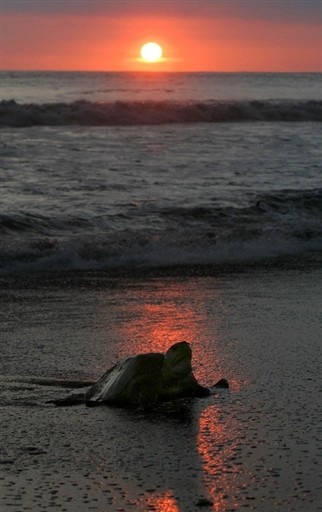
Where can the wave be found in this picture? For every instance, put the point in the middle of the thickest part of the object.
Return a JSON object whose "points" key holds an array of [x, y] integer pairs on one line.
{"points": [[149, 254], [129, 113], [284, 223]]}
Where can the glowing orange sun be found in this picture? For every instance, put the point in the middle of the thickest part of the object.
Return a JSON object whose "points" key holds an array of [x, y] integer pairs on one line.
{"points": [[151, 52]]}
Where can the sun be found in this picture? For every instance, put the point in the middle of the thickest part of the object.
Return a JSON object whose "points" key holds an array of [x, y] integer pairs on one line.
{"points": [[151, 52]]}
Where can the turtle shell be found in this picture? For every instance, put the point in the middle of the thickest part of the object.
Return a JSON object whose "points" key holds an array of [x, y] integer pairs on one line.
{"points": [[131, 382]]}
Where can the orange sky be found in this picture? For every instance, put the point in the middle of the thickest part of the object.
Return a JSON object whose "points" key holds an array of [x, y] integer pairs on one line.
{"points": [[228, 41]]}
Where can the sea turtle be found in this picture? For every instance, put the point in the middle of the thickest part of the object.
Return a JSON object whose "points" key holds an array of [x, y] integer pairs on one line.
{"points": [[145, 380]]}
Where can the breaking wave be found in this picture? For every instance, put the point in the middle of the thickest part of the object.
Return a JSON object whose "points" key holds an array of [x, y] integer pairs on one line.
{"points": [[129, 113], [285, 223]]}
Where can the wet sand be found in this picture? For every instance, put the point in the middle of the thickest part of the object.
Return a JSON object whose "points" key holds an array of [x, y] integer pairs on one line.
{"points": [[256, 446]]}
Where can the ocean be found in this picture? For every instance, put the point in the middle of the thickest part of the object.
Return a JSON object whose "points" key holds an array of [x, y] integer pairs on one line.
{"points": [[137, 211], [105, 170]]}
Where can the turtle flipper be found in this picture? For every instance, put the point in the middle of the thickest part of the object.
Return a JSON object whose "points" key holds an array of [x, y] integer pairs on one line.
{"points": [[222, 383], [201, 391]]}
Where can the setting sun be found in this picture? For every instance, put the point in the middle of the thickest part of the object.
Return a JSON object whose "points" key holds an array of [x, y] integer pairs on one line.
{"points": [[151, 52]]}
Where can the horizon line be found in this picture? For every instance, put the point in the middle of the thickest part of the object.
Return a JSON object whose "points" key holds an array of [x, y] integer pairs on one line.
{"points": [[151, 71]]}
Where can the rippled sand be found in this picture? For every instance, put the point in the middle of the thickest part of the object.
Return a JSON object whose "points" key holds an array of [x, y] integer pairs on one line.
{"points": [[256, 446]]}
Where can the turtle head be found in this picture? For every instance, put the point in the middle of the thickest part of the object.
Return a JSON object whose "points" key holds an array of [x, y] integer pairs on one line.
{"points": [[177, 361]]}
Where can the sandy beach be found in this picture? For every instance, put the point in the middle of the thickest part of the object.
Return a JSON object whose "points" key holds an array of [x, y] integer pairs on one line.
{"points": [[256, 446]]}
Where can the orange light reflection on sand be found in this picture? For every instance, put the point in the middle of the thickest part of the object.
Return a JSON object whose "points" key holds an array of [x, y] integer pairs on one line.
{"points": [[153, 317], [216, 447], [162, 318], [165, 503]]}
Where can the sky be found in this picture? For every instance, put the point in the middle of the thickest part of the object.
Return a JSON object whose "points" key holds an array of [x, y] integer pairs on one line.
{"points": [[196, 35]]}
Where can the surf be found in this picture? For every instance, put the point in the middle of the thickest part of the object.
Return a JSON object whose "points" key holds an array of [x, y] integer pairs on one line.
{"points": [[149, 112]]}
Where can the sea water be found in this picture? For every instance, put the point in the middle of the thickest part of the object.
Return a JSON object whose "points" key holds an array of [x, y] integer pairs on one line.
{"points": [[128, 170]]}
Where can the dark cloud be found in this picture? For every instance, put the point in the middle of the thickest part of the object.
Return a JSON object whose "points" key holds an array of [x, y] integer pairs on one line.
{"points": [[308, 11]]}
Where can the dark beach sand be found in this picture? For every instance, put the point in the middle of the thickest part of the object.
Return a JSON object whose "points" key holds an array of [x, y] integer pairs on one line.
{"points": [[257, 446]]}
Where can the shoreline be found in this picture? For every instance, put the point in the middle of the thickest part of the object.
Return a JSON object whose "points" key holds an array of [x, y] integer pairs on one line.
{"points": [[88, 277]]}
